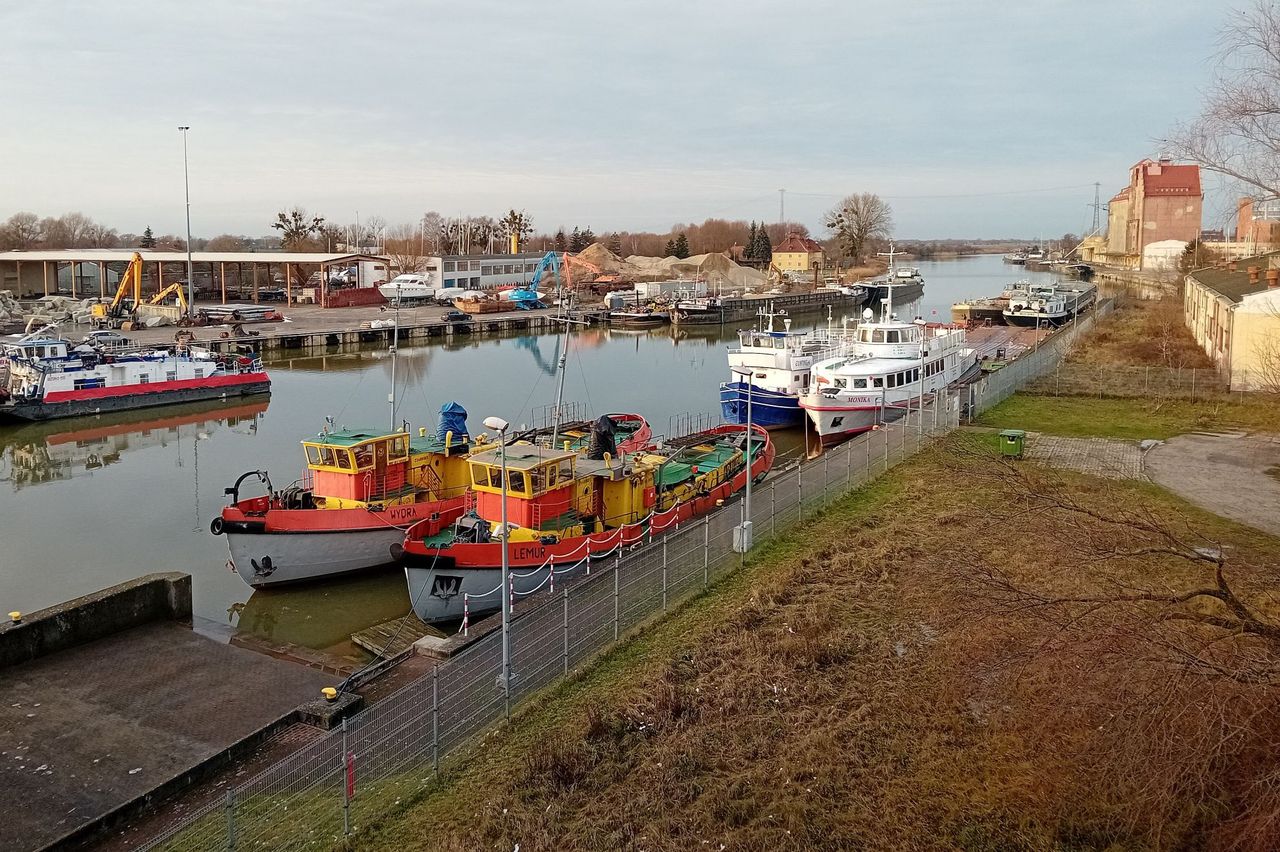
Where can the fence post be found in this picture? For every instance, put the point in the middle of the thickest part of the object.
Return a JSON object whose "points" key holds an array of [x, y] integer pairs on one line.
{"points": [[826, 474], [564, 628], [1193, 384], [773, 508], [848, 466], [346, 788], [800, 492], [884, 435], [615, 597], [435, 718], [231, 820], [1146, 382], [706, 551], [664, 574]]}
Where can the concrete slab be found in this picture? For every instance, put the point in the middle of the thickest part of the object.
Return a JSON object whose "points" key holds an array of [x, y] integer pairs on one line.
{"points": [[1109, 457], [1234, 475], [85, 730]]}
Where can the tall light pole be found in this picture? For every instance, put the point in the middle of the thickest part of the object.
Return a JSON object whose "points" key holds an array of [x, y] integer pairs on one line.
{"points": [[186, 185], [500, 426], [742, 541]]}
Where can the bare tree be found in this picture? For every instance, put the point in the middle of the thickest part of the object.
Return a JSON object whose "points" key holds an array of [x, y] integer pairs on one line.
{"points": [[516, 222], [404, 244], [21, 231], [858, 219], [1238, 131], [296, 227], [227, 242], [1146, 662]]}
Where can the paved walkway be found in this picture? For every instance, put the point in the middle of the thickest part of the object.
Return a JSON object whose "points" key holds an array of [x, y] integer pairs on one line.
{"points": [[86, 730], [1109, 457], [1233, 475]]}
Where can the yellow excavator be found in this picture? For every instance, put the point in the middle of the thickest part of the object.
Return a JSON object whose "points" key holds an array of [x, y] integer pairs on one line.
{"points": [[128, 296], [177, 288]]}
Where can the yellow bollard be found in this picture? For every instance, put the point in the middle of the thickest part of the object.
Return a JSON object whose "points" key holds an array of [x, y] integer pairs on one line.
{"points": [[15, 617], [329, 693]]}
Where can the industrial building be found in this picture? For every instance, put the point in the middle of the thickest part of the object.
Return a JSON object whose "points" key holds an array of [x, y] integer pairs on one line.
{"points": [[1163, 202]]}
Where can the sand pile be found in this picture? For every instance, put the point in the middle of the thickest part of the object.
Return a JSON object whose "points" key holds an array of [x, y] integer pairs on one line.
{"points": [[608, 262], [716, 268]]}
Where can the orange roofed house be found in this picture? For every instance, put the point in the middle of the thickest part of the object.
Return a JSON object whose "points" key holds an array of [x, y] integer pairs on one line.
{"points": [[1162, 204]]}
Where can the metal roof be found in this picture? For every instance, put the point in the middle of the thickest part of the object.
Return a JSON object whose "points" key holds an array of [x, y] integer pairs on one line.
{"points": [[1235, 285], [150, 255]]}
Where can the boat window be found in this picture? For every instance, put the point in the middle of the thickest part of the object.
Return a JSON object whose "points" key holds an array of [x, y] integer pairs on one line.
{"points": [[537, 479], [893, 380], [551, 475], [864, 335], [491, 476], [517, 481], [566, 470], [892, 336], [364, 456], [841, 383], [877, 382], [877, 336], [343, 459], [326, 456], [313, 455], [398, 449], [860, 383]]}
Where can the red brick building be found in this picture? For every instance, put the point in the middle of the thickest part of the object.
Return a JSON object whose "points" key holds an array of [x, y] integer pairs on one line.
{"points": [[1163, 201], [1258, 223]]}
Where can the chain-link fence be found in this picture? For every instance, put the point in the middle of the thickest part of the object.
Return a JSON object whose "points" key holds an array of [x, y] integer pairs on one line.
{"points": [[344, 780]]}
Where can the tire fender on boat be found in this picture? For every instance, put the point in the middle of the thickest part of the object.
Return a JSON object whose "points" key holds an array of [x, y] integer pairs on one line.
{"points": [[216, 526]]}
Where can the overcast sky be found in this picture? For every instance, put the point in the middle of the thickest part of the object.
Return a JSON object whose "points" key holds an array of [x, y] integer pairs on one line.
{"points": [[977, 119]]}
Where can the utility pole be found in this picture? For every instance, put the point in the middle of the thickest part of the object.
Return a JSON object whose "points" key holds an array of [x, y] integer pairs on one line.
{"points": [[1097, 207], [782, 206]]}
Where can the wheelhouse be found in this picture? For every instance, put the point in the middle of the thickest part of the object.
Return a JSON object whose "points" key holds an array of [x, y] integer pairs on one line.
{"points": [[354, 468]]}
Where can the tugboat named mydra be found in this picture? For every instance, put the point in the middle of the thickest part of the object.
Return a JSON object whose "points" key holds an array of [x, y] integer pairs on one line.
{"points": [[565, 507], [360, 491]]}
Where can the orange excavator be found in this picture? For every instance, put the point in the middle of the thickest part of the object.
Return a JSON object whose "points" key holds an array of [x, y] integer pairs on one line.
{"points": [[128, 296]]}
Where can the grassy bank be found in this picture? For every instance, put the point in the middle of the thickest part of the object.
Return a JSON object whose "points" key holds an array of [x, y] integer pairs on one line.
{"points": [[1142, 334], [1134, 419], [908, 671]]}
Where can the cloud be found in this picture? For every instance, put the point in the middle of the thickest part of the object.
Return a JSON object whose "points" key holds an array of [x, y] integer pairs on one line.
{"points": [[626, 114]]}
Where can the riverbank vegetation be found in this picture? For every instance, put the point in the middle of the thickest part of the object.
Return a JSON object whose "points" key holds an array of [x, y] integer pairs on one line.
{"points": [[968, 654]]}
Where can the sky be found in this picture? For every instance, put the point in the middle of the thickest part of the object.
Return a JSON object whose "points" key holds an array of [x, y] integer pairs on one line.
{"points": [[982, 119]]}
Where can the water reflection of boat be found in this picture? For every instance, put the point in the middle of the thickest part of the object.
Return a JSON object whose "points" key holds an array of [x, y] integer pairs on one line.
{"points": [[320, 616], [52, 452]]}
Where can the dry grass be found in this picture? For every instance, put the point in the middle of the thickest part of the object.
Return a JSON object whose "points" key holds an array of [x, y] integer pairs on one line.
{"points": [[858, 687], [1142, 334]]}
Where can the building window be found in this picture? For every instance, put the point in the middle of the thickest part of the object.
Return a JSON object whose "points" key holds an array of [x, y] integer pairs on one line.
{"points": [[508, 269], [475, 266], [450, 266], [486, 270]]}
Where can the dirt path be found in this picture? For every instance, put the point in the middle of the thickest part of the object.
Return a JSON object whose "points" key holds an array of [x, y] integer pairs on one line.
{"points": [[1233, 475]]}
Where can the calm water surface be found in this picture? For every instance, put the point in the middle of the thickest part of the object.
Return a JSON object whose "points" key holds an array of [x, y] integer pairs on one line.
{"points": [[90, 502]]}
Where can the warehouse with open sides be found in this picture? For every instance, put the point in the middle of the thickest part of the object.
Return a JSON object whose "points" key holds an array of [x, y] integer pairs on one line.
{"points": [[289, 277]]}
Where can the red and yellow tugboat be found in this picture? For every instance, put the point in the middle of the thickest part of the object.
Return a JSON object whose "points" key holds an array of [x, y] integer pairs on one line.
{"points": [[565, 506]]}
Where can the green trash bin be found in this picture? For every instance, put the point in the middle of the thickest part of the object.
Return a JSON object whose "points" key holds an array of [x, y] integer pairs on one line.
{"points": [[1011, 443]]}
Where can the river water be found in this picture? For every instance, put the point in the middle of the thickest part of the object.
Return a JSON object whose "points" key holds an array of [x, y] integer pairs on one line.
{"points": [[90, 502]]}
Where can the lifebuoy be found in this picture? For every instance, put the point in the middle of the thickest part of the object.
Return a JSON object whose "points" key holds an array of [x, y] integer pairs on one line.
{"points": [[215, 526]]}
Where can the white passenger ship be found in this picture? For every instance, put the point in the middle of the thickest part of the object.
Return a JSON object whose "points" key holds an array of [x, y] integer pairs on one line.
{"points": [[893, 364]]}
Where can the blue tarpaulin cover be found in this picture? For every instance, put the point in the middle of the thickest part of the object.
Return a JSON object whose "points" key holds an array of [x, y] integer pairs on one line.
{"points": [[453, 418]]}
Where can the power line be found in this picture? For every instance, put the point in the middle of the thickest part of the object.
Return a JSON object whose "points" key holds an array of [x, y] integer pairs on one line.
{"points": [[954, 195]]}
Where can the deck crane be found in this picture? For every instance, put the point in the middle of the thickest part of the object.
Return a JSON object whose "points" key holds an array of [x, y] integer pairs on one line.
{"points": [[120, 309]]}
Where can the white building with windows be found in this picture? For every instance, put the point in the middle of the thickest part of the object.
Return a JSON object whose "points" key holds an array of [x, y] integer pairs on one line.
{"points": [[485, 271]]}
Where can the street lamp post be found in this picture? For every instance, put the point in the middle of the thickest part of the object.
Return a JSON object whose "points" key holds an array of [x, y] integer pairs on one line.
{"points": [[186, 185], [500, 426], [742, 539]]}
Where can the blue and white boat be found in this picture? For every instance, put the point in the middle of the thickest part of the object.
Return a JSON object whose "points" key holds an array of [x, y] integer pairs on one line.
{"points": [[771, 368]]}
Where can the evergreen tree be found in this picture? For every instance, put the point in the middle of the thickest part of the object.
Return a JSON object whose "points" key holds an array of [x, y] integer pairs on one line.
{"points": [[749, 251], [562, 245], [681, 247], [575, 241], [764, 248], [670, 250], [615, 244], [148, 239], [588, 236]]}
